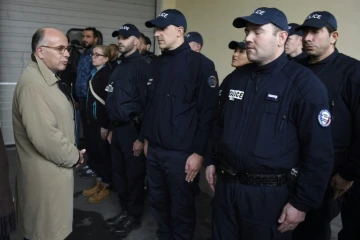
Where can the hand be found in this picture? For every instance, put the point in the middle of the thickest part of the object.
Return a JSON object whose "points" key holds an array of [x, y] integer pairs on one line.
{"points": [[290, 218], [146, 145], [340, 185], [81, 158], [104, 133], [109, 137], [211, 176], [138, 147], [192, 166]]}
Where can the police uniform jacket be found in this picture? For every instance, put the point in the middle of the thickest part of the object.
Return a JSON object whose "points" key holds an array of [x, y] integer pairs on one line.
{"points": [[182, 92], [126, 89], [341, 76], [275, 117]]}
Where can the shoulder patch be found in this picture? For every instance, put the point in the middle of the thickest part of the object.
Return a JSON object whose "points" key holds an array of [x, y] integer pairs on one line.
{"points": [[212, 81], [324, 118]]}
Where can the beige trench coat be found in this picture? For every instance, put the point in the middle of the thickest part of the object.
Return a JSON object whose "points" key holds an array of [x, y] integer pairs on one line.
{"points": [[43, 123]]}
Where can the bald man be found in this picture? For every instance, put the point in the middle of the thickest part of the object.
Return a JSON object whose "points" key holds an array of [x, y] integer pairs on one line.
{"points": [[44, 130]]}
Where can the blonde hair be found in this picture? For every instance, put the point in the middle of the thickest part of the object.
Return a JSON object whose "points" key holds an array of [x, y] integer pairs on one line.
{"points": [[105, 49]]}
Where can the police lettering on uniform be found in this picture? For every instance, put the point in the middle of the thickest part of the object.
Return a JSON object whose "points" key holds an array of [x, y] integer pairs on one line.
{"points": [[293, 45], [182, 97], [275, 122], [341, 75], [125, 105]]}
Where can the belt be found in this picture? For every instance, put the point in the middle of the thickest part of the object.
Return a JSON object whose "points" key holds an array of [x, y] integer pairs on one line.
{"points": [[256, 179], [121, 124]]}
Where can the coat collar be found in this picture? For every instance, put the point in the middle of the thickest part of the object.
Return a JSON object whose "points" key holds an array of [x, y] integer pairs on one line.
{"points": [[49, 76]]}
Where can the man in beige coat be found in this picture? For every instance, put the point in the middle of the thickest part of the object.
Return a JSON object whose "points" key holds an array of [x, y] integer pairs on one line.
{"points": [[44, 125]]}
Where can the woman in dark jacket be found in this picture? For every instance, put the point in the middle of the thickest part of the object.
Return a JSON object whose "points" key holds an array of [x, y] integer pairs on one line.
{"points": [[7, 213], [98, 124]]}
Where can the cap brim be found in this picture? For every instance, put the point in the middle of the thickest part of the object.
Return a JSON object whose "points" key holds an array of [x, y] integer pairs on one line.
{"points": [[299, 33], [115, 33], [241, 22], [122, 33], [233, 45], [311, 23], [157, 22]]}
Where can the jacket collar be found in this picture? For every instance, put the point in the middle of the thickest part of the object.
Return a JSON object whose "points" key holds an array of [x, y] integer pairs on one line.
{"points": [[271, 67], [184, 47], [49, 76], [132, 56], [328, 59]]}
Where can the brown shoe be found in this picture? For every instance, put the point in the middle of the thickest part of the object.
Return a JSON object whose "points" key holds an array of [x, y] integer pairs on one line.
{"points": [[101, 195], [92, 191]]}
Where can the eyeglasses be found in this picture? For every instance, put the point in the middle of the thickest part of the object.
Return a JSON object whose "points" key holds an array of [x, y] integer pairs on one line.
{"points": [[95, 55], [61, 49]]}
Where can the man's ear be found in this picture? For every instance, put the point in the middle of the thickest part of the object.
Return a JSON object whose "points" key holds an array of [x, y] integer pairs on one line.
{"points": [[136, 41], [283, 35], [333, 37], [39, 53], [198, 47], [180, 31]]}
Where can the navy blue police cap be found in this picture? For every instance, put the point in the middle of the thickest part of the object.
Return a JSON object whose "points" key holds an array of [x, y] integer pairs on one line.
{"points": [[263, 16], [194, 37], [319, 19], [292, 29], [234, 44], [166, 18], [127, 30]]}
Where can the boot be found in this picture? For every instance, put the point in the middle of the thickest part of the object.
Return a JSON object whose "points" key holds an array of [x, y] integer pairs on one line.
{"points": [[92, 191], [101, 195]]}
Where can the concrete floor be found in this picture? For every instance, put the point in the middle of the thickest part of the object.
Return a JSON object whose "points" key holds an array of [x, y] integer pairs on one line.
{"points": [[88, 218]]}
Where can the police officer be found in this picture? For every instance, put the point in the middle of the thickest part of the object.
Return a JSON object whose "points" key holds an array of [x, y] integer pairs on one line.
{"points": [[195, 41], [341, 76], [293, 45], [125, 104], [239, 57], [275, 117], [182, 92]]}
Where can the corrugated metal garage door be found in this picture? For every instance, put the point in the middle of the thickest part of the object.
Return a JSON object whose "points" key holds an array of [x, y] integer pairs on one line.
{"points": [[19, 19]]}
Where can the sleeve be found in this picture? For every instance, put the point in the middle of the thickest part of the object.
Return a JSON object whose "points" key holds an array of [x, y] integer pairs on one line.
{"points": [[42, 129], [206, 105], [141, 85], [103, 116], [313, 119], [351, 168], [212, 150]]}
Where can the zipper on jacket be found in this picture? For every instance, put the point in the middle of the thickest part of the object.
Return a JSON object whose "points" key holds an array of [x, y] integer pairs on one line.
{"points": [[332, 104], [283, 119]]}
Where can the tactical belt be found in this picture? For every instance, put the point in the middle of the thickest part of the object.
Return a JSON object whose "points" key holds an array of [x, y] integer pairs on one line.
{"points": [[121, 124], [255, 179]]}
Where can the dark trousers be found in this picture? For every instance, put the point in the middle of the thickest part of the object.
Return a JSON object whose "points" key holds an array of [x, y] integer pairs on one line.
{"points": [[5, 238], [244, 212], [84, 125], [172, 199], [128, 170], [350, 214], [98, 151]]}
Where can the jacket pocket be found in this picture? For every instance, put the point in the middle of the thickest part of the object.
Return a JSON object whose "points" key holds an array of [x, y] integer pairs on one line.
{"points": [[269, 137]]}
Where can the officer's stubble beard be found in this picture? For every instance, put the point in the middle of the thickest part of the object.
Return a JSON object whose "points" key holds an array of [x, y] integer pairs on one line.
{"points": [[132, 47]]}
